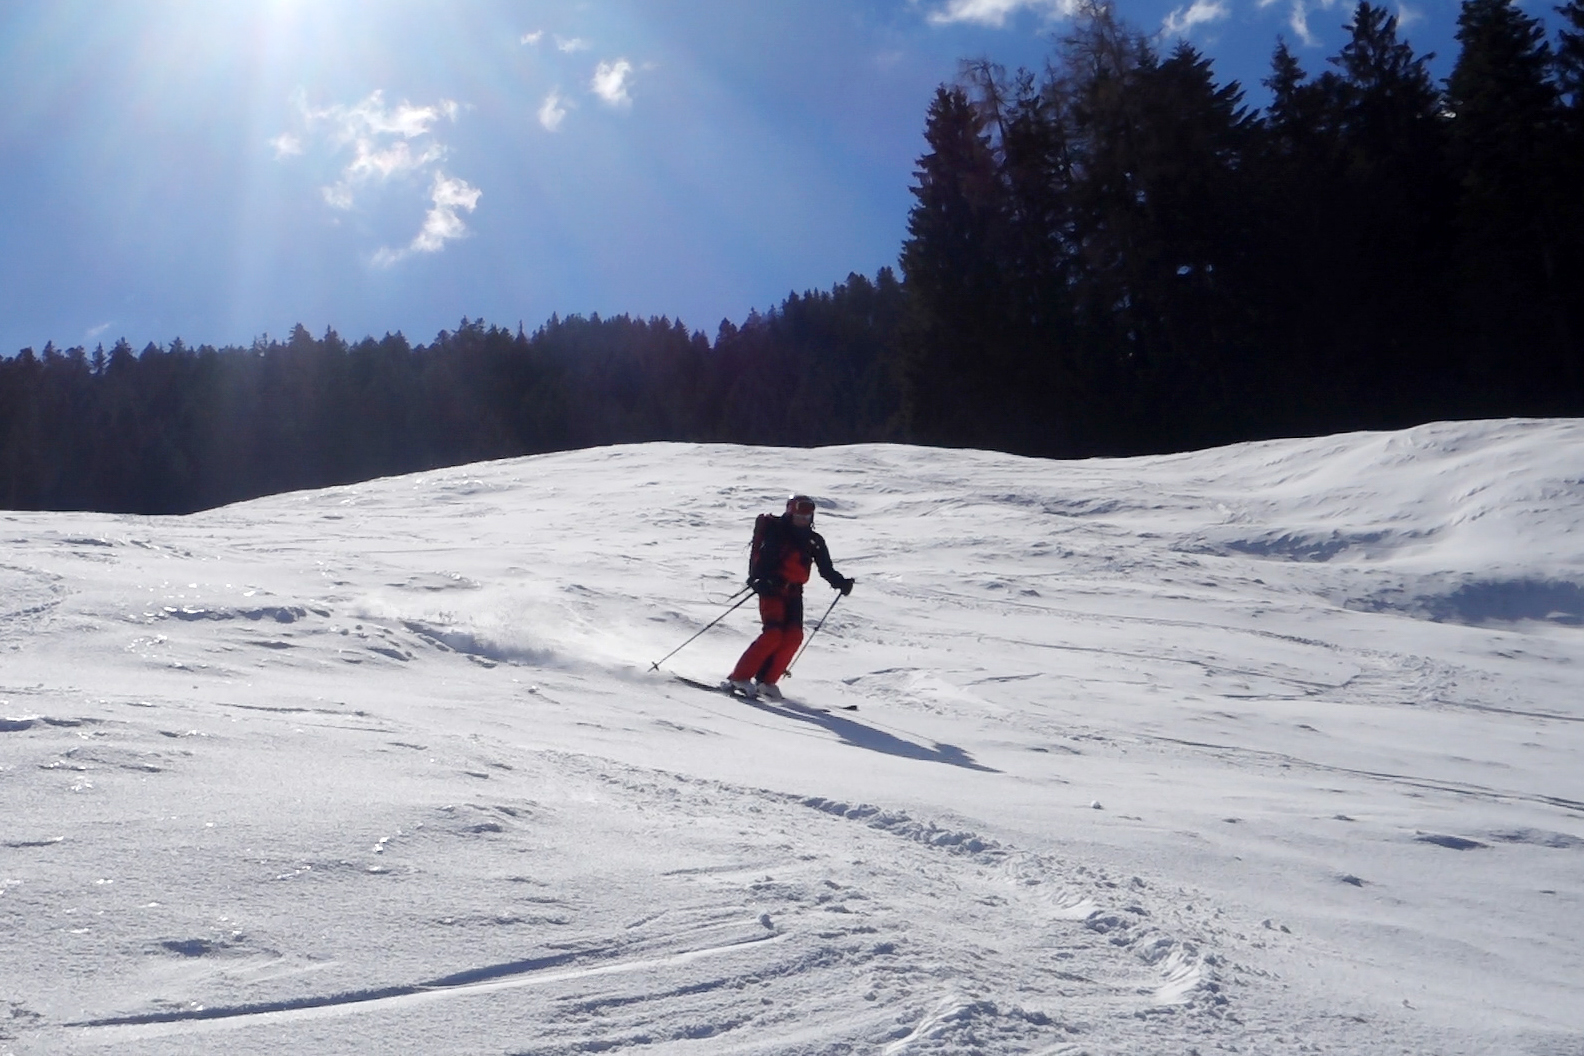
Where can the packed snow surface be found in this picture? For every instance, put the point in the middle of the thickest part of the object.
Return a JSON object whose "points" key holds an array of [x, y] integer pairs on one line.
{"points": [[1270, 749]]}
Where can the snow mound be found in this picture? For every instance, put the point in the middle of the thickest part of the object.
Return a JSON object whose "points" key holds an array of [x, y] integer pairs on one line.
{"points": [[394, 761], [1452, 522]]}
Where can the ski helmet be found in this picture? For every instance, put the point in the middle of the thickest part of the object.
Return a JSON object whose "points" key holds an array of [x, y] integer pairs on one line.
{"points": [[801, 509]]}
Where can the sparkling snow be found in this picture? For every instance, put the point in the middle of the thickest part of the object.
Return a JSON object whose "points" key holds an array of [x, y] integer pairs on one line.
{"points": [[1274, 749]]}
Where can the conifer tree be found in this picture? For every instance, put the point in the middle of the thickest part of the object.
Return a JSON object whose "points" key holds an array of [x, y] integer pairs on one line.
{"points": [[1570, 55], [1507, 145], [1398, 201], [1569, 177], [951, 262]]}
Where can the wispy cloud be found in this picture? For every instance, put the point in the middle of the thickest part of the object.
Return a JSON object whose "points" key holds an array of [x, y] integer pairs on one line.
{"points": [[1298, 17], [374, 164], [553, 111], [95, 331], [533, 38], [1200, 12], [1298, 20], [1407, 16], [996, 12], [286, 145], [442, 224], [386, 143], [610, 82], [571, 44], [372, 117]]}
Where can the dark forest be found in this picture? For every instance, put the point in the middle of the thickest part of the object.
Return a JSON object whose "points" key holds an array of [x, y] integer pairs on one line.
{"points": [[1113, 255]]}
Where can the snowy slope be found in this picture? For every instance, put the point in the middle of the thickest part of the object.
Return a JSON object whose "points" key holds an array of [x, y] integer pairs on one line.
{"points": [[1274, 748]]}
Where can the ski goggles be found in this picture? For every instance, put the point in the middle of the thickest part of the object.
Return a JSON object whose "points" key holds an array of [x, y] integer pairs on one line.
{"points": [[800, 507]]}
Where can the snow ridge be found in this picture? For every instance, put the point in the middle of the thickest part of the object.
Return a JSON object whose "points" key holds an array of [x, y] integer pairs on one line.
{"points": [[899, 824]]}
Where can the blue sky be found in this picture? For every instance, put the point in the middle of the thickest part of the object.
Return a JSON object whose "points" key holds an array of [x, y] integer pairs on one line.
{"points": [[220, 171]]}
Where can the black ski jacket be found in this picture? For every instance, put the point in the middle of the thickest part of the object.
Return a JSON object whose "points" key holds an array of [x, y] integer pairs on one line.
{"points": [[786, 553]]}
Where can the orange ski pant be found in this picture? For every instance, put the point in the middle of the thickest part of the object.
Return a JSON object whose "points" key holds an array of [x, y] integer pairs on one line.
{"points": [[767, 658]]}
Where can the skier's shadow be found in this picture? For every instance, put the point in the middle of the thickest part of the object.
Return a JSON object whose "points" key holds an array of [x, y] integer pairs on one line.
{"points": [[860, 736]]}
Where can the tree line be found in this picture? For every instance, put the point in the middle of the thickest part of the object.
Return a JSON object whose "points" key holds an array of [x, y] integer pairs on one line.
{"points": [[1112, 255], [175, 429], [1116, 255]]}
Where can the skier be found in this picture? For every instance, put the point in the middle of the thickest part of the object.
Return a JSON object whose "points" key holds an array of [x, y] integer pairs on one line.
{"points": [[784, 548]]}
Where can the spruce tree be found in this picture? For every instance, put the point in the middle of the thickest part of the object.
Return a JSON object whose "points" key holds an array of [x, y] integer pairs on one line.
{"points": [[1570, 177], [1570, 55], [1506, 145], [951, 262], [1397, 201]]}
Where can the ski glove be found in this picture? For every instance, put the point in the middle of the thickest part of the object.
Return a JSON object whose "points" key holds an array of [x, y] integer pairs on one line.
{"points": [[765, 585], [846, 586]]}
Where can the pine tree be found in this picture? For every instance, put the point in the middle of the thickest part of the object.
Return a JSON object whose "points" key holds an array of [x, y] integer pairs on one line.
{"points": [[951, 262], [1506, 144], [1304, 249], [1570, 55], [1397, 201], [1569, 177]]}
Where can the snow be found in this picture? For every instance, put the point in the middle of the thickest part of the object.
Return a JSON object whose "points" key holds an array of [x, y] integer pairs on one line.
{"points": [[1274, 748]]}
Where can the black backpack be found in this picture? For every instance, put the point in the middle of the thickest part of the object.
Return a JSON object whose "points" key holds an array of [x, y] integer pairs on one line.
{"points": [[766, 525]]}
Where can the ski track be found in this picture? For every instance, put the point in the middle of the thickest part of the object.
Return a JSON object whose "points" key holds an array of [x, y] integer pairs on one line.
{"points": [[491, 978], [836, 927], [1138, 764]]}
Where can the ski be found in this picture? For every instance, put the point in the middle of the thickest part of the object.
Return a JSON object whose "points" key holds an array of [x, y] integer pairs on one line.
{"points": [[785, 705]]}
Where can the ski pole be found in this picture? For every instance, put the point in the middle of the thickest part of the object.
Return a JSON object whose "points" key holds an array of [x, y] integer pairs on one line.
{"points": [[812, 633], [735, 606]]}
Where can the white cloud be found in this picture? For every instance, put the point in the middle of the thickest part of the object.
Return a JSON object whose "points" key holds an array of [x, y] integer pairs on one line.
{"points": [[571, 44], [996, 12], [553, 111], [385, 144], [338, 196], [95, 331], [286, 145], [1299, 21], [1181, 20], [610, 82], [441, 224], [371, 119], [371, 163], [399, 157], [1407, 16], [534, 37], [384, 141]]}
